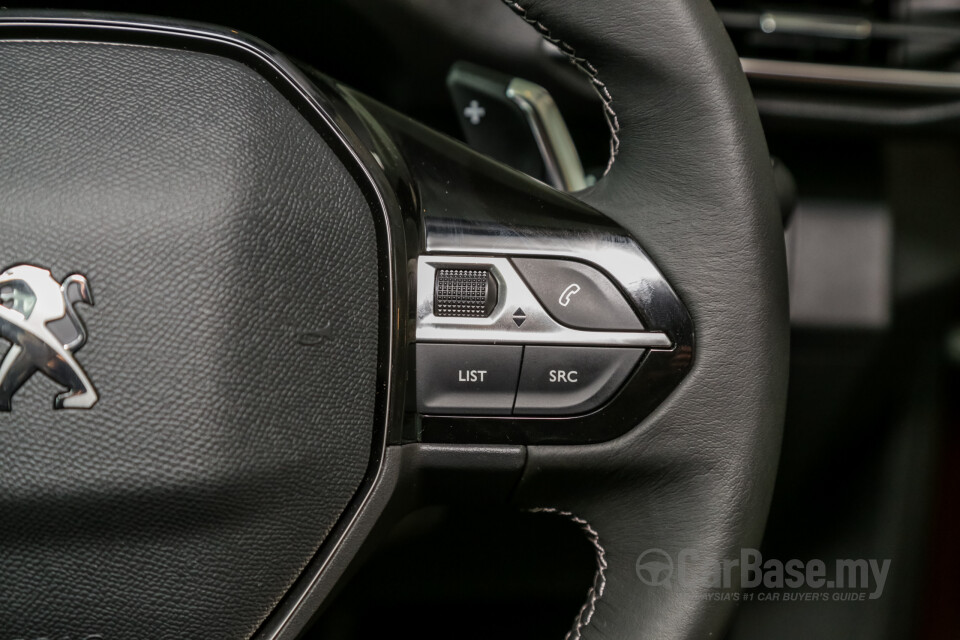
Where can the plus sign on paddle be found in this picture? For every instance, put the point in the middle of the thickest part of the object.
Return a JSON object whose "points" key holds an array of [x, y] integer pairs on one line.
{"points": [[474, 112]]}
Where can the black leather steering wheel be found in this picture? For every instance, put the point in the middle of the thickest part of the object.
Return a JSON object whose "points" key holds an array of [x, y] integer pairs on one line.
{"points": [[254, 239]]}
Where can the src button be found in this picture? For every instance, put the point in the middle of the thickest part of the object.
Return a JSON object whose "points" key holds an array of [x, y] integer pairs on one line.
{"points": [[569, 380], [577, 295]]}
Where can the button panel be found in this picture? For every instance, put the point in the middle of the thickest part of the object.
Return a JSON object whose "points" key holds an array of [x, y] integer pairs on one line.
{"points": [[483, 379], [522, 336], [518, 317]]}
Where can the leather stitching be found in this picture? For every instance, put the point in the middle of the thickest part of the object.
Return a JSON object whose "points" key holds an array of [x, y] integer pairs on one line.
{"points": [[599, 579], [587, 68]]}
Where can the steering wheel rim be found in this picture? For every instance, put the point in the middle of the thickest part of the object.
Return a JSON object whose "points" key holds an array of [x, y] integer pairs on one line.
{"points": [[698, 473], [689, 178]]}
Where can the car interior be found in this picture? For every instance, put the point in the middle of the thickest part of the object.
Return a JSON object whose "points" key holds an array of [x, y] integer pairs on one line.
{"points": [[488, 318]]}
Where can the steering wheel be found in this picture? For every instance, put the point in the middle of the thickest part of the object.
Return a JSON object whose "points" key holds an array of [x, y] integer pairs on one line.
{"points": [[313, 315]]}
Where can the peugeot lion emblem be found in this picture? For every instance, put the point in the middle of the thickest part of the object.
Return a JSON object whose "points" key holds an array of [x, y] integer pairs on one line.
{"points": [[38, 318]]}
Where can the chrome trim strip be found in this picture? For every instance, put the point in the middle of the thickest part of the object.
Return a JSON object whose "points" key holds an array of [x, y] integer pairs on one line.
{"points": [[538, 326], [813, 25], [801, 24], [851, 76]]}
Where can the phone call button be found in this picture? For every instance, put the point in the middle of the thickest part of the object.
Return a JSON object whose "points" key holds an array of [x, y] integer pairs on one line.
{"points": [[577, 295]]}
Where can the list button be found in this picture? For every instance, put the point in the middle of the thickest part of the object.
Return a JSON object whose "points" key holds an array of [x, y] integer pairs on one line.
{"points": [[467, 379]]}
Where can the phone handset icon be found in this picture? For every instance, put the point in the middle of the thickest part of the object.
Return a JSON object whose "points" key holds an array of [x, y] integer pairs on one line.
{"points": [[567, 294]]}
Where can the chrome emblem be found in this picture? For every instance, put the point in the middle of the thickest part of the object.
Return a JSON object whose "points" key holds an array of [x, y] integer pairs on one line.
{"points": [[38, 318]]}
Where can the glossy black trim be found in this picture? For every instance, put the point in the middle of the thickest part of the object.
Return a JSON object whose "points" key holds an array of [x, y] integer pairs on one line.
{"points": [[471, 205], [333, 127]]}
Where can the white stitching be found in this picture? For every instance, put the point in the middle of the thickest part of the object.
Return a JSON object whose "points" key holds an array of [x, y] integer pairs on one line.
{"points": [[588, 69], [599, 579]]}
